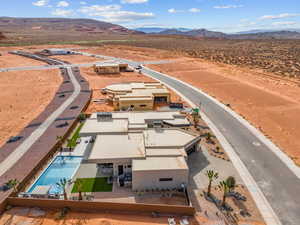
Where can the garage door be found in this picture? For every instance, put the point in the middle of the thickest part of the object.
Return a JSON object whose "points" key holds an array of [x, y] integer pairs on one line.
{"points": [[160, 99]]}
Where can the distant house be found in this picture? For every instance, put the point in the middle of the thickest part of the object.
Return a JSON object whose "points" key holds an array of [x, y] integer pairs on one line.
{"points": [[110, 68], [56, 51], [137, 96]]}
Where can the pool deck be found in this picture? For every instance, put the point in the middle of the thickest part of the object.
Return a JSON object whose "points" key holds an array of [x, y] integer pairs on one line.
{"points": [[44, 144]]}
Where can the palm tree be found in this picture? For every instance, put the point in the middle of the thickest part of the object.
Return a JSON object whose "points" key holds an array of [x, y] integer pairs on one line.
{"points": [[59, 140], [211, 175], [81, 117], [208, 137], [231, 183], [13, 183], [196, 117], [225, 187], [79, 186], [62, 185]]}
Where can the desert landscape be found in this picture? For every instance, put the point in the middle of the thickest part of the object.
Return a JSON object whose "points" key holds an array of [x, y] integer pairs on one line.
{"points": [[275, 100], [24, 95]]}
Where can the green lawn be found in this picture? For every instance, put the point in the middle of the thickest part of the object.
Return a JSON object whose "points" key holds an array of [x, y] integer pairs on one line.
{"points": [[74, 138], [94, 185]]}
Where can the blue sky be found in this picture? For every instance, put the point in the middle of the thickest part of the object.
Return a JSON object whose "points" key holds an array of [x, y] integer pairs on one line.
{"points": [[220, 15]]}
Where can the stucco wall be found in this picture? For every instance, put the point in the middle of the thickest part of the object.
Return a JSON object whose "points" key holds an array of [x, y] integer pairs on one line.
{"points": [[142, 180]]}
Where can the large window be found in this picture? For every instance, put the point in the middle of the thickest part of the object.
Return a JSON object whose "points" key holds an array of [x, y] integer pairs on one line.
{"points": [[165, 179]]}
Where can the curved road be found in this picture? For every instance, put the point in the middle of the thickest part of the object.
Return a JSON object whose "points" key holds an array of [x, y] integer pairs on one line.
{"points": [[26, 144], [268, 173], [278, 183]]}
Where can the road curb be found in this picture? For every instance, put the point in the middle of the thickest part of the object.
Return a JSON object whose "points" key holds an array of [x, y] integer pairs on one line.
{"points": [[261, 202], [275, 149]]}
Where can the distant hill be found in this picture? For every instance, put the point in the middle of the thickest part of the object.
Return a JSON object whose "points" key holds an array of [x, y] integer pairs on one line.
{"points": [[268, 35], [149, 30], [265, 31], [8, 24], [254, 34], [203, 33]]}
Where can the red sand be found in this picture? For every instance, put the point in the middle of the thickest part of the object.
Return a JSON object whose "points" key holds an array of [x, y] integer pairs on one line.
{"points": [[24, 95], [101, 81], [269, 102]]}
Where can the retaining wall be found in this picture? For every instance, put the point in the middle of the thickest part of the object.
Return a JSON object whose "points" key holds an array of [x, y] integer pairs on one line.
{"points": [[86, 206]]}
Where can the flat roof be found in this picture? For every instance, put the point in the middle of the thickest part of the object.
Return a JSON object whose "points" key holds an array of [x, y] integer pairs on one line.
{"points": [[162, 152], [159, 163], [95, 126], [117, 146], [167, 138], [107, 64], [134, 98], [128, 87]]}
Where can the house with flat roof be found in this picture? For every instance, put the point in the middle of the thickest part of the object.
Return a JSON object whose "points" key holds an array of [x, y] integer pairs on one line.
{"points": [[137, 95], [110, 68], [57, 51], [129, 148]]}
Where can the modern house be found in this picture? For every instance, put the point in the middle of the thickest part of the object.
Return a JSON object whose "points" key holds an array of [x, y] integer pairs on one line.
{"points": [[144, 150], [56, 51], [110, 68], [137, 96]]}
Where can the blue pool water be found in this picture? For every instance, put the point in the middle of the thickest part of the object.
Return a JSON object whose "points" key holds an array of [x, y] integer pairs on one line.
{"points": [[61, 167]]}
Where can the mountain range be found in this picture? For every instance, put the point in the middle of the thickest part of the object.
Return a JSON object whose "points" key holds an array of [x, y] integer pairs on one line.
{"points": [[89, 26], [203, 33], [66, 29]]}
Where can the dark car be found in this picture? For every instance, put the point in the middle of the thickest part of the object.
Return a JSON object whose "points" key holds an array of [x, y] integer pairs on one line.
{"points": [[14, 139]]}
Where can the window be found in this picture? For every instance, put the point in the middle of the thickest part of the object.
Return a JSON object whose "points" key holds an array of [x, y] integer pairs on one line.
{"points": [[143, 105], [165, 179], [129, 166]]}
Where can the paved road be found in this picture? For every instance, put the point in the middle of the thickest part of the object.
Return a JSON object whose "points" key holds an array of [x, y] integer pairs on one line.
{"points": [[279, 184], [26, 144], [49, 67]]}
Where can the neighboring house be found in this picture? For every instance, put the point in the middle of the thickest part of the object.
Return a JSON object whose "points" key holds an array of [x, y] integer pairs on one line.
{"points": [[137, 96], [110, 68], [56, 51], [132, 148]]}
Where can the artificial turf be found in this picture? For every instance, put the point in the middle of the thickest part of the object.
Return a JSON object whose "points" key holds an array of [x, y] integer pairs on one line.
{"points": [[98, 184], [72, 142]]}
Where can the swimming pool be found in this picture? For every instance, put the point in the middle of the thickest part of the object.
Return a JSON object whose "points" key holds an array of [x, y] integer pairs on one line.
{"points": [[61, 167]]}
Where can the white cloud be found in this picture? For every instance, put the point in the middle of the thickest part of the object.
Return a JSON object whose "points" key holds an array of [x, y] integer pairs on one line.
{"points": [[40, 3], [228, 6], [280, 16], [94, 10], [63, 4], [62, 12], [194, 10], [114, 14], [284, 23], [172, 10], [133, 1], [82, 3]]}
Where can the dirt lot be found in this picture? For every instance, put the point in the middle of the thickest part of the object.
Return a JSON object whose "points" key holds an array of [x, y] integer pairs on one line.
{"points": [[9, 60], [275, 100], [24, 95], [76, 58], [101, 81], [134, 53]]}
